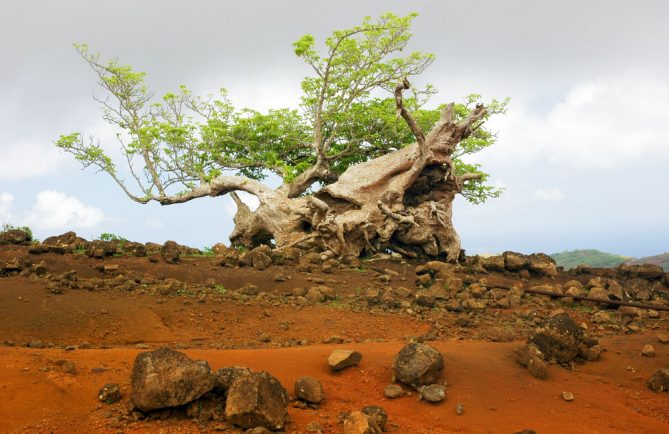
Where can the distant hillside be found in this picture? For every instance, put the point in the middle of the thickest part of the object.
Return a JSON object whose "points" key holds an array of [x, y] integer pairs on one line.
{"points": [[661, 260], [594, 258]]}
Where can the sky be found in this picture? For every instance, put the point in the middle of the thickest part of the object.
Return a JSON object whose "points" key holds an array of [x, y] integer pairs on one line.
{"points": [[582, 153]]}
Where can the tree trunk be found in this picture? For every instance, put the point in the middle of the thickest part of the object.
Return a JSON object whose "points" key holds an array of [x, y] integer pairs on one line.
{"points": [[401, 201]]}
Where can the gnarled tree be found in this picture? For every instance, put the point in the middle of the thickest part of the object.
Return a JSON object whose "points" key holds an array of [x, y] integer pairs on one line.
{"points": [[360, 173]]}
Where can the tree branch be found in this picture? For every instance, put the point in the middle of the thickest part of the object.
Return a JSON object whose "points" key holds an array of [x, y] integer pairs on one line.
{"points": [[406, 115]]}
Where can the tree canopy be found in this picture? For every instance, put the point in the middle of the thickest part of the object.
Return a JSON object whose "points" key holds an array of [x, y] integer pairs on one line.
{"points": [[183, 146]]}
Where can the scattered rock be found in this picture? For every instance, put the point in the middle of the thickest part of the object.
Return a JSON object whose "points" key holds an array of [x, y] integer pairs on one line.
{"points": [[568, 396], [309, 389], [648, 351], [393, 391], [459, 409], [167, 378], [376, 414], [418, 365], [67, 366], [15, 236], [532, 358], [257, 400], [559, 340], [341, 359], [110, 393], [226, 376], [663, 338], [541, 263], [258, 430], [358, 423], [170, 252], [432, 393], [659, 381]]}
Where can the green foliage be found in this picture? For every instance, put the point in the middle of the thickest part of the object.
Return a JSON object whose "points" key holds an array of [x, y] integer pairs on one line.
{"points": [[591, 257], [174, 144], [220, 289], [10, 227], [106, 236]]}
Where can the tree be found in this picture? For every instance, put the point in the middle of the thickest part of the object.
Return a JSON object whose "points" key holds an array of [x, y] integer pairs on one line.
{"points": [[361, 172]]}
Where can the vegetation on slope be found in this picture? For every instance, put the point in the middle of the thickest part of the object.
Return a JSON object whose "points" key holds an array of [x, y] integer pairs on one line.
{"points": [[592, 257]]}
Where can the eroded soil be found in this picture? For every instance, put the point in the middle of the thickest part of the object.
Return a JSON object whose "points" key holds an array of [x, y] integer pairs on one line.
{"points": [[103, 329]]}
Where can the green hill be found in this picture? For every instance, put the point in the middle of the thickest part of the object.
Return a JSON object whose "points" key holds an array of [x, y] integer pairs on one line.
{"points": [[594, 258], [661, 260]]}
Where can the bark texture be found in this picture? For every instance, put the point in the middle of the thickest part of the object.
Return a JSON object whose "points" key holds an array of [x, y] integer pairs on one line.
{"points": [[400, 201]]}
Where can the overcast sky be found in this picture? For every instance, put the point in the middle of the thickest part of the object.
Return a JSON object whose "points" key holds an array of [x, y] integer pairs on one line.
{"points": [[583, 152]]}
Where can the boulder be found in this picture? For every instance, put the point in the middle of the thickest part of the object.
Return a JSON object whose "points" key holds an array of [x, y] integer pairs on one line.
{"points": [[644, 271], [559, 339], [376, 414], [170, 252], [432, 393], [260, 260], [359, 423], [418, 365], [257, 400], [659, 381], [309, 389], [493, 263], [226, 376], [532, 358], [393, 391], [514, 261], [100, 249], [341, 359], [437, 269], [542, 264], [110, 393], [15, 236], [167, 378]]}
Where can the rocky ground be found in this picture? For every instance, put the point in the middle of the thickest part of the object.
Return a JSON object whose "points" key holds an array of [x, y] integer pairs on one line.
{"points": [[477, 343]]}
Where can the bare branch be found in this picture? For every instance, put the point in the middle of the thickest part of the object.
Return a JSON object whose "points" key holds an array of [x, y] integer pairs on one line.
{"points": [[406, 115]]}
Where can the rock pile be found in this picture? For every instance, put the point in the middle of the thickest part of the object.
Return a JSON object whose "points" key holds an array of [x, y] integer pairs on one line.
{"points": [[560, 340], [165, 379]]}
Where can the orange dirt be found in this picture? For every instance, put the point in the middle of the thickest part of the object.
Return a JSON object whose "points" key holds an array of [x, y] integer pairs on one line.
{"points": [[286, 340]]}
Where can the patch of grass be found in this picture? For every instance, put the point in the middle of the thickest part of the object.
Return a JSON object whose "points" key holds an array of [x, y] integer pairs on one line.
{"points": [[9, 227], [220, 289], [207, 251]]}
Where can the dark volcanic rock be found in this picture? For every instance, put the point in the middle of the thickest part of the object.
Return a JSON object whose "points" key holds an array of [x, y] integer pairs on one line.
{"points": [[168, 378], [533, 359], [170, 252], [559, 340], [309, 389], [226, 376], [418, 365], [659, 381], [257, 399], [110, 393]]}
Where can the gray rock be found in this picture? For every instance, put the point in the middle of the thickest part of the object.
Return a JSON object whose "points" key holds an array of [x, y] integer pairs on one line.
{"points": [[432, 393], [257, 400], [309, 389], [659, 381], [418, 365], [393, 391], [226, 376], [341, 359], [167, 378], [459, 409], [110, 393]]}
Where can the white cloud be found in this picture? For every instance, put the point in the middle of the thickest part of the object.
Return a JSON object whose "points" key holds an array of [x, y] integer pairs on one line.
{"points": [[29, 160], [603, 124], [552, 194], [6, 202], [55, 210]]}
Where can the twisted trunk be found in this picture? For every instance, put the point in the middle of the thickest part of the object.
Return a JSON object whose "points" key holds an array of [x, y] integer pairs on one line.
{"points": [[400, 201]]}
